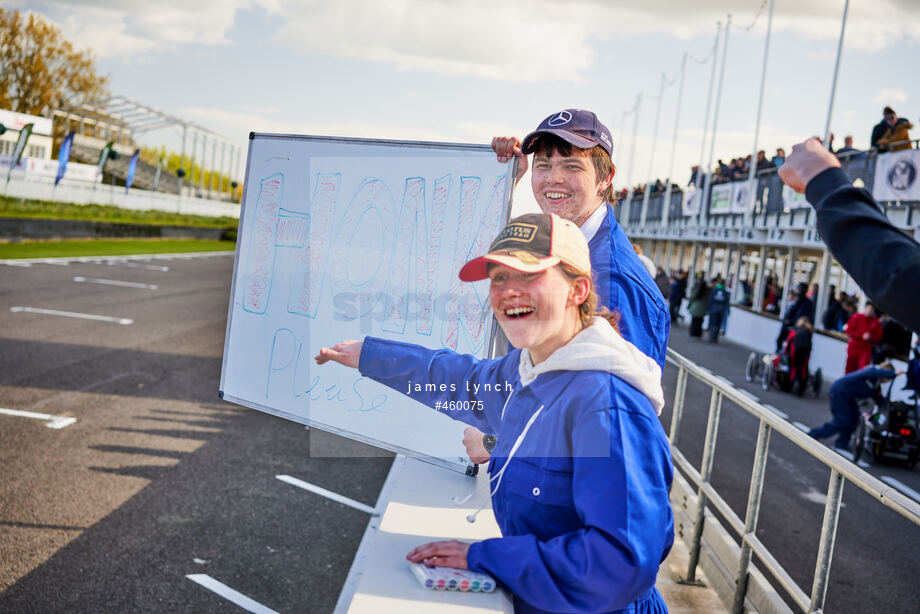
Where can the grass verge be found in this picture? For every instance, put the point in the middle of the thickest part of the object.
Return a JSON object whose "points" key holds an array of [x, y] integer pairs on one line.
{"points": [[14, 207], [109, 247]]}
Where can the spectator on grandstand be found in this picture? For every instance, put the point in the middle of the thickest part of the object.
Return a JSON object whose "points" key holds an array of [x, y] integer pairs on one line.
{"points": [[699, 300], [740, 168], [764, 165], [864, 330], [891, 134], [779, 158], [847, 151], [694, 171]]}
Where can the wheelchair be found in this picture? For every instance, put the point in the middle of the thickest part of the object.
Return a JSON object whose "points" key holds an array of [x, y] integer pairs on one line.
{"points": [[889, 430], [775, 370]]}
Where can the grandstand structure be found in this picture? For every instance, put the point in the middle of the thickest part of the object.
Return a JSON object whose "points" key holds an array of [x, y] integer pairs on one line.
{"points": [[726, 230], [122, 120]]}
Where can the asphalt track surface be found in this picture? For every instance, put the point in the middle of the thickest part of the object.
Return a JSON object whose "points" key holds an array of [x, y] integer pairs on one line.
{"points": [[157, 479]]}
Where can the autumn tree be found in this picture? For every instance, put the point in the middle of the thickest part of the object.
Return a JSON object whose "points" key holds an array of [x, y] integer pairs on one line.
{"points": [[39, 70]]}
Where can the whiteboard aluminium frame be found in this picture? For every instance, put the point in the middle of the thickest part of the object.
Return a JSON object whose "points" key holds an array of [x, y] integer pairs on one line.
{"points": [[463, 465]]}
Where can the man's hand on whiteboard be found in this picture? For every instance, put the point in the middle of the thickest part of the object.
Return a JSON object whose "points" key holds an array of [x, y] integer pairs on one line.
{"points": [[346, 353], [472, 439], [451, 553], [505, 148]]}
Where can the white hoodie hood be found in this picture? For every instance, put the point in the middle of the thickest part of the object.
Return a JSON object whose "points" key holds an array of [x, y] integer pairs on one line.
{"points": [[600, 348]]}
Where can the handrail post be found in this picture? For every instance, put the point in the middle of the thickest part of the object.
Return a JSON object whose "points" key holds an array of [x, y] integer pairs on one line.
{"points": [[826, 545], [709, 447], [677, 413], [752, 514]]}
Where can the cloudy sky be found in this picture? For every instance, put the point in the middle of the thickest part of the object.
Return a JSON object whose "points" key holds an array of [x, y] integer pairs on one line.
{"points": [[466, 70]]}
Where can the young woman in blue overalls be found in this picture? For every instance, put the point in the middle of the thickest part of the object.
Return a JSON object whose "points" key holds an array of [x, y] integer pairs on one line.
{"points": [[581, 470]]}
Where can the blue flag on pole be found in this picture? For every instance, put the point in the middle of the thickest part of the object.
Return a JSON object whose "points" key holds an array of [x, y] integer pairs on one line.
{"points": [[64, 156], [132, 167]]}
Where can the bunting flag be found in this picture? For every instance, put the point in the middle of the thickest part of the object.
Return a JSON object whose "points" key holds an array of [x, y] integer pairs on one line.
{"points": [[896, 176], [132, 167], [103, 158], [64, 156], [20, 147]]}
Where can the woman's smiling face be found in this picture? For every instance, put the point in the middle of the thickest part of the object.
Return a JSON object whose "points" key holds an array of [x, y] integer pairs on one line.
{"points": [[538, 311]]}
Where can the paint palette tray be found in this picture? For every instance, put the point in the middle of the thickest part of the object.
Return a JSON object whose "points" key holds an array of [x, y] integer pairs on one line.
{"points": [[449, 579]]}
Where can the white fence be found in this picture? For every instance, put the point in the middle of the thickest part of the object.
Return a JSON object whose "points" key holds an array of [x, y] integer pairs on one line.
{"points": [[83, 193]]}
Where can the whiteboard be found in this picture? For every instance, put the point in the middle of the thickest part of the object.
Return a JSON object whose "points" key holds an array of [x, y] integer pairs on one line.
{"points": [[343, 238]]}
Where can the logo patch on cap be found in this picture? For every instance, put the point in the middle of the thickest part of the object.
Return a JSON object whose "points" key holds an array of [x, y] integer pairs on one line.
{"points": [[560, 119], [515, 233]]}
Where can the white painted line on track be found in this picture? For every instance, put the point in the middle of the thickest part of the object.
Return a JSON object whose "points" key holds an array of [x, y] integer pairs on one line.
{"points": [[14, 263], [229, 594], [801, 426], [113, 282], [779, 413], [57, 262], [326, 493], [905, 490], [54, 422], [71, 314], [139, 265]]}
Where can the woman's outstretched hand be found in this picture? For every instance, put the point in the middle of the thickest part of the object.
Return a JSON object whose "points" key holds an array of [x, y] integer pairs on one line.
{"points": [[346, 353], [450, 553]]}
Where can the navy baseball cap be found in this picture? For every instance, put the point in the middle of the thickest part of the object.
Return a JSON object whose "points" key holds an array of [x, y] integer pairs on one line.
{"points": [[576, 126]]}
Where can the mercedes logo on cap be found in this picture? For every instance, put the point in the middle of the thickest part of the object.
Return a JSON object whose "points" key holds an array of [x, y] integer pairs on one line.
{"points": [[560, 119]]}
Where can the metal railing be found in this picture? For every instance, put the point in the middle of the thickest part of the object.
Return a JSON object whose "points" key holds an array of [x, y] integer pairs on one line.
{"points": [[841, 470]]}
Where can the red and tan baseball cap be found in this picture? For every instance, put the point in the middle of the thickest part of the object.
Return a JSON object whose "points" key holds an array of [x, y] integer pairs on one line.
{"points": [[532, 243]]}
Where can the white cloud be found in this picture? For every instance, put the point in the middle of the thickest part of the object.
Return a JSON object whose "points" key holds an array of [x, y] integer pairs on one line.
{"points": [[508, 40], [113, 28], [889, 96]]}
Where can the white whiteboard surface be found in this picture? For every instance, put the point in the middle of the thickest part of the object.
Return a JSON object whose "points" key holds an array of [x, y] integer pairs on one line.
{"points": [[344, 238]]}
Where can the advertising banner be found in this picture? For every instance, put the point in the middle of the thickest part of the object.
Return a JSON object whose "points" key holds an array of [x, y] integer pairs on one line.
{"points": [[740, 196], [896, 176], [721, 200], [691, 204]]}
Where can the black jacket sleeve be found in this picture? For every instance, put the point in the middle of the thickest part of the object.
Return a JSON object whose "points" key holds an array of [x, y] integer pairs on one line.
{"points": [[883, 260]]}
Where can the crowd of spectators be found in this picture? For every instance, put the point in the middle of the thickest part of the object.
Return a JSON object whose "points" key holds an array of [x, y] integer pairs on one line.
{"points": [[710, 299], [890, 134]]}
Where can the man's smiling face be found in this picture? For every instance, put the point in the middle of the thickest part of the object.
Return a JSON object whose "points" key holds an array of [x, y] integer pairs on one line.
{"points": [[567, 185]]}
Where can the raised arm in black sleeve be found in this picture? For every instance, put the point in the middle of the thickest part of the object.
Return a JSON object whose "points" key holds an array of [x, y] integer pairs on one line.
{"points": [[883, 260]]}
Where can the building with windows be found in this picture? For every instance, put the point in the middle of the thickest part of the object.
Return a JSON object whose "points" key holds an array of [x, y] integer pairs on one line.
{"points": [[40, 143]]}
